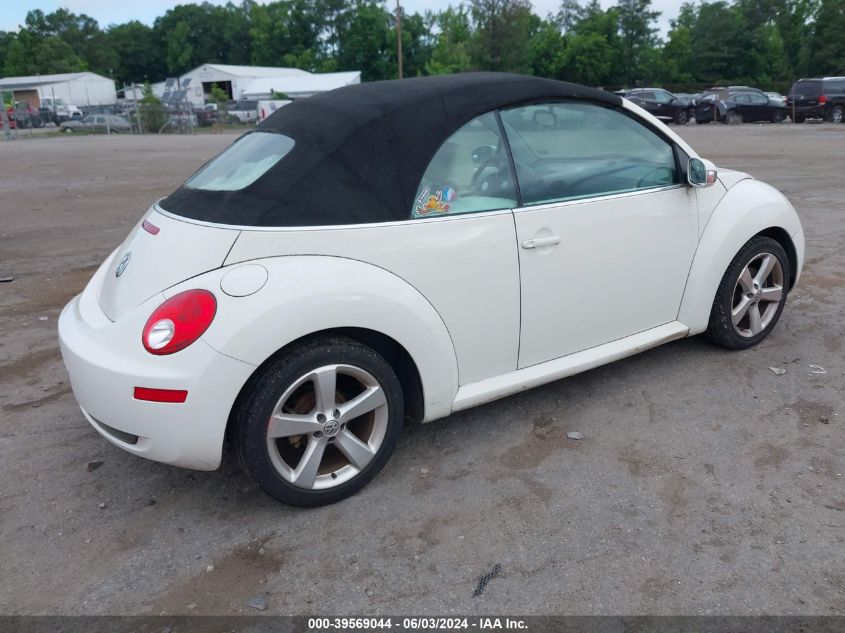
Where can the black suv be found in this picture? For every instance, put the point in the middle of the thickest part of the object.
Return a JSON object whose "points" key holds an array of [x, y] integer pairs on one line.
{"points": [[822, 98], [661, 103], [737, 104]]}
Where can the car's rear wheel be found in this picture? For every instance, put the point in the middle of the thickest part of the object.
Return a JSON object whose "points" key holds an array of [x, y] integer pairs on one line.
{"points": [[320, 421], [837, 114], [733, 117], [751, 295], [798, 119]]}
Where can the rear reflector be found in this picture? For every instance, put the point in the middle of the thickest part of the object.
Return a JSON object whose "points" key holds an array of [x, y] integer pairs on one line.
{"points": [[150, 228], [160, 395]]}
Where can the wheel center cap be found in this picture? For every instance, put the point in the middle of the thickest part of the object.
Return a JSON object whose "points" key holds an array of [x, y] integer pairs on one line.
{"points": [[331, 427]]}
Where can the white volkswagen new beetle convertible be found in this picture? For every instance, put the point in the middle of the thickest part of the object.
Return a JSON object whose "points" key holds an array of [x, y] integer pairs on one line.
{"points": [[410, 249]]}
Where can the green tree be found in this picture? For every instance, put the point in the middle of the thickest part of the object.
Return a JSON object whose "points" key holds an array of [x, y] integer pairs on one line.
{"points": [[638, 36], [450, 53], [138, 57], [503, 29], [365, 41], [827, 46], [286, 33]]}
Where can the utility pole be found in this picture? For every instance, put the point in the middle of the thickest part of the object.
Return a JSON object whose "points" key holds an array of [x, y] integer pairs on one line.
{"points": [[399, 36]]}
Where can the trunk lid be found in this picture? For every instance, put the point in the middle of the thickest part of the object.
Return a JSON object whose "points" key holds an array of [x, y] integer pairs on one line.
{"points": [[151, 261]]}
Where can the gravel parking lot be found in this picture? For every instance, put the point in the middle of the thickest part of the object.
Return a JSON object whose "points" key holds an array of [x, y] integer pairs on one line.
{"points": [[705, 482]]}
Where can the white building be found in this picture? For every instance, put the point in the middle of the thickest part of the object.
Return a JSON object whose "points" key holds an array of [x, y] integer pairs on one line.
{"points": [[79, 89], [252, 82], [300, 85]]}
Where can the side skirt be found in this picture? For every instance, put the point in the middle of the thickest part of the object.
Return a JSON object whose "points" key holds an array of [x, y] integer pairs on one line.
{"points": [[490, 389]]}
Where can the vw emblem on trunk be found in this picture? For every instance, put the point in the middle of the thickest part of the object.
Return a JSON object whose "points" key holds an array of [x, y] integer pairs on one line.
{"points": [[124, 262]]}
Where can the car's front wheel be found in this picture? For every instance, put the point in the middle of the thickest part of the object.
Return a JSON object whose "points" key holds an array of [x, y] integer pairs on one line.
{"points": [[751, 295], [837, 114], [320, 421], [681, 117]]}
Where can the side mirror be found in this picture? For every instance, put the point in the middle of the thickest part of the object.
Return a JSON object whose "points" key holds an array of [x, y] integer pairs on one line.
{"points": [[701, 173]]}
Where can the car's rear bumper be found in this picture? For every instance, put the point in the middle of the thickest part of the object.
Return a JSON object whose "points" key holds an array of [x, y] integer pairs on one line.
{"points": [[809, 112], [106, 361]]}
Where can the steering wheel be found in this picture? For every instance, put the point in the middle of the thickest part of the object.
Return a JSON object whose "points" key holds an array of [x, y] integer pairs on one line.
{"points": [[490, 162]]}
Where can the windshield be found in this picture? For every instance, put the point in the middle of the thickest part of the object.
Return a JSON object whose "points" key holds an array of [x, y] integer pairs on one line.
{"points": [[246, 160]]}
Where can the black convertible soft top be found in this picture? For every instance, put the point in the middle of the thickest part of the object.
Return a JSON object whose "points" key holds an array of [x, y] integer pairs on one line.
{"points": [[360, 151]]}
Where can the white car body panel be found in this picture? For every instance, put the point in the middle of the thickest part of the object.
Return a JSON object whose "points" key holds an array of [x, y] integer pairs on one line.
{"points": [[156, 270], [106, 361], [448, 260], [310, 294], [536, 375], [598, 285]]}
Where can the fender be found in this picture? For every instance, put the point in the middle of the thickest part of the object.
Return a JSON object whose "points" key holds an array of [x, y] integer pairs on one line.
{"points": [[307, 294], [748, 208]]}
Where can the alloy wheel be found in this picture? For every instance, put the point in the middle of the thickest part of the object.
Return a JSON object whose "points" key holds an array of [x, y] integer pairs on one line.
{"points": [[838, 114], [757, 294], [327, 426]]}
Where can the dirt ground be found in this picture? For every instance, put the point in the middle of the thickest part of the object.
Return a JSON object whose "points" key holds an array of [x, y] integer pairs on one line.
{"points": [[705, 483]]}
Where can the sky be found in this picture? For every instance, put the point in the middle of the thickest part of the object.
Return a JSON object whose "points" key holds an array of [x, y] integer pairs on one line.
{"points": [[117, 11]]}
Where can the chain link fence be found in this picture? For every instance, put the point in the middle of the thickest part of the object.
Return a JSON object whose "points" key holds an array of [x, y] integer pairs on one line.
{"points": [[24, 121]]}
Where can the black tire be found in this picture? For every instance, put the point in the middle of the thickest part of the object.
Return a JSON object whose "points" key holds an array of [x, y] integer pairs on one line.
{"points": [[778, 116], [837, 114], [682, 117], [720, 329], [261, 396], [732, 117], [798, 118]]}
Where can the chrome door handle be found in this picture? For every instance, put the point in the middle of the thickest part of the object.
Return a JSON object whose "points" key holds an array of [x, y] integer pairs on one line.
{"points": [[541, 241]]}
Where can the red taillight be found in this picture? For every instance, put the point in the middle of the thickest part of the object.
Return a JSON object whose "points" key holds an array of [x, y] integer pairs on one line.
{"points": [[822, 99], [160, 395], [150, 228], [179, 321]]}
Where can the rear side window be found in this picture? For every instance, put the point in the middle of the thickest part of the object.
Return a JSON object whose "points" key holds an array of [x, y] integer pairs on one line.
{"points": [[807, 88], [566, 151], [470, 173], [834, 86], [242, 163]]}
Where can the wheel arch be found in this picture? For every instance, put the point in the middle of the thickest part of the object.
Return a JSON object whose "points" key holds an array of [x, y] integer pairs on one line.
{"points": [[734, 222], [391, 350]]}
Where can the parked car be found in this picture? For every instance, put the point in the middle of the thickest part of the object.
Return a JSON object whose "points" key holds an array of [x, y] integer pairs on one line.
{"points": [[662, 104], [242, 111], [398, 249], [207, 115], [737, 104], [776, 98], [822, 98], [99, 122]]}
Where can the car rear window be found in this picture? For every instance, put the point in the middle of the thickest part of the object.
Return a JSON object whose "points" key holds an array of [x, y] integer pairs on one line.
{"points": [[242, 163], [807, 88]]}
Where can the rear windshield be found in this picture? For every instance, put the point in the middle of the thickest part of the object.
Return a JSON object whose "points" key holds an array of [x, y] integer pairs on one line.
{"points": [[807, 88], [242, 163]]}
